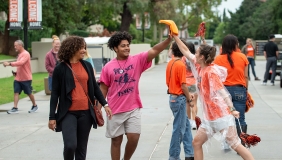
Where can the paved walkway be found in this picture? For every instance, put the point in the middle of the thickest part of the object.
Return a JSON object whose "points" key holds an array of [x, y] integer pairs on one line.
{"points": [[25, 136]]}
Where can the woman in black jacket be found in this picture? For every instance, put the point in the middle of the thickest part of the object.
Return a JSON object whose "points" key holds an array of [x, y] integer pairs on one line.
{"points": [[70, 109]]}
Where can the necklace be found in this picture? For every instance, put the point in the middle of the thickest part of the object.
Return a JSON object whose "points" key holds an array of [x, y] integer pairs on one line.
{"points": [[121, 70]]}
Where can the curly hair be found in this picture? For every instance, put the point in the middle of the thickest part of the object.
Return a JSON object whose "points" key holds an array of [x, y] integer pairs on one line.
{"points": [[70, 46], [208, 52], [115, 40]]}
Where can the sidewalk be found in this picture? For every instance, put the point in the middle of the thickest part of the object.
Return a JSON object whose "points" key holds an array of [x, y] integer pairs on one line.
{"points": [[26, 136]]}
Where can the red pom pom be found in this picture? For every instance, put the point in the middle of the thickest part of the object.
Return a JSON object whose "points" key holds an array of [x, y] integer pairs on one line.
{"points": [[249, 140], [198, 121]]}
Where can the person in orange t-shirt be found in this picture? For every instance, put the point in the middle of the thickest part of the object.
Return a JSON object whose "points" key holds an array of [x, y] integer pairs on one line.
{"points": [[236, 82], [218, 111], [249, 51], [179, 95]]}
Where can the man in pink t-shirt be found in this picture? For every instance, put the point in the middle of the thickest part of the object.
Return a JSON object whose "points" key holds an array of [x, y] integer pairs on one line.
{"points": [[23, 77], [119, 84]]}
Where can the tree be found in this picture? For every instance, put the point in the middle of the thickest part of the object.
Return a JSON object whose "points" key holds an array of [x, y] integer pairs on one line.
{"points": [[219, 33], [5, 44]]}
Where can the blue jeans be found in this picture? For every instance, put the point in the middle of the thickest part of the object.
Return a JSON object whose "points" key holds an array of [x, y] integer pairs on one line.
{"points": [[239, 98], [252, 64], [50, 83], [181, 129]]}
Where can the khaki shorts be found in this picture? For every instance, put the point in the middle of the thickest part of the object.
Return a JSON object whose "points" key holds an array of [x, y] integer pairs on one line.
{"points": [[122, 123]]}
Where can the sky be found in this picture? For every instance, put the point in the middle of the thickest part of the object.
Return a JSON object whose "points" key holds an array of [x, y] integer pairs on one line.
{"points": [[231, 5]]}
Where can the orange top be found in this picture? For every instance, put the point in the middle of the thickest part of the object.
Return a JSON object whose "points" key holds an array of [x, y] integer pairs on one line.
{"points": [[190, 79], [236, 75], [250, 51], [79, 99], [208, 82], [175, 76]]}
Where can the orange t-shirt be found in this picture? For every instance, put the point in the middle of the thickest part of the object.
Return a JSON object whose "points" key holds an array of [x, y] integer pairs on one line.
{"points": [[190, 79], [175, 76], [236, 75], [79, 99], [209, 81], [250, 51]]}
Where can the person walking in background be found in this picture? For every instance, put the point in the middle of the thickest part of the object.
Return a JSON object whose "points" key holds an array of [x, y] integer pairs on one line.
{"points": [[23, 77], [119, 83], [89, 59], [236, 82], [218, 111], [191, 84], [179, 96], [271, 53], [73, 85], [51, 59], [249, 51]]}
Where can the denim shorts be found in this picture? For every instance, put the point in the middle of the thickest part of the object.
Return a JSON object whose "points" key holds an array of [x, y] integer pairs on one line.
{"points": [[20, 86]]}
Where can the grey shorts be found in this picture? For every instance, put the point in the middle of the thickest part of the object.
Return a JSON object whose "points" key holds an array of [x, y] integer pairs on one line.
{"points": [[192, 88], [122, 123]]}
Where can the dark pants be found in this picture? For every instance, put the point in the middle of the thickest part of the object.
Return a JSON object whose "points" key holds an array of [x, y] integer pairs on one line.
{"points": [[76, 127], [252, 64], [239, 98], [271, 62]]}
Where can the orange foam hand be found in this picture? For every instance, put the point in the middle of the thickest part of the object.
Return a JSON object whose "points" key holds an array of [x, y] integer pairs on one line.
{"points": [[172, 26]]}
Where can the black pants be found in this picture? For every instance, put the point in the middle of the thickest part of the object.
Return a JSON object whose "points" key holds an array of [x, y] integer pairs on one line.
{"points": [[271, 62], [76, 127]]}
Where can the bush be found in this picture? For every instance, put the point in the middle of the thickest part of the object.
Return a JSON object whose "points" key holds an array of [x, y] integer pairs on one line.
{"points": [[157, 59], [80, 33]]}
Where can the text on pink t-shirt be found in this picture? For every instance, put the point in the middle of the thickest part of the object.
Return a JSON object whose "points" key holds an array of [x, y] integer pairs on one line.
{"points": [[123, 92]]}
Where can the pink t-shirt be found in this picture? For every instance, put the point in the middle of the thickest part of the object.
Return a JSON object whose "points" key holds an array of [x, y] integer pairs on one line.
{"points": [[123, 92], [23, 67]]}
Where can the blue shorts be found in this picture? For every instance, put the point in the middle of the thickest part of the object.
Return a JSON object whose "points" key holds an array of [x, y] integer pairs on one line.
{"points": [[50, 83], [20, 86]]}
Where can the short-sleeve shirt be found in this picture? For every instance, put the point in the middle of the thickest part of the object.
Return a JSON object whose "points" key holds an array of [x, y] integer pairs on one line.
{"points": [[270, 48], [122, 79], [236, 75], [175, 76]]}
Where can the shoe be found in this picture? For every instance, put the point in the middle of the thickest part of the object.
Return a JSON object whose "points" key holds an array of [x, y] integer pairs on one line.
{"points": [[272, 84], [189, 158], [33, 109], [13, 111], [193, 125], [257, 79], [263, 83]]}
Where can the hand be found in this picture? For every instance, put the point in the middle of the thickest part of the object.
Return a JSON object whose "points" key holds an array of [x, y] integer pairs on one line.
{"points": [[6, 64], [108, 112], [52, 125], [236, 114]]}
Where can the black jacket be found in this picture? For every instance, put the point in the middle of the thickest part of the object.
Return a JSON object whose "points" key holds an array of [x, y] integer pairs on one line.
{"points": [[63, 84]]}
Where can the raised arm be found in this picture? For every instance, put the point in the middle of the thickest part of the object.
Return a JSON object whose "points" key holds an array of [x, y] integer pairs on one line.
{"points": [[153, 52], [182, 47]]}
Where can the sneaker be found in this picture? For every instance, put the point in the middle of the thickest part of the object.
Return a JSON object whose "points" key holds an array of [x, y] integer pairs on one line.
{"points": [[272, 84], [13, 110], [264, 83], [257, 79], [193, 125], [33, 109]]}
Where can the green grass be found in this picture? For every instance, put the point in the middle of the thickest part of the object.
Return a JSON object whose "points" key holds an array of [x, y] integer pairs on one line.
{"points": [[3, 57], [7, 89]]}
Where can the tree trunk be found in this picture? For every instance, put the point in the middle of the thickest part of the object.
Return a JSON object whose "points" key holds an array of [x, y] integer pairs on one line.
{"points": [[126, 18], [155, 32], [6, 47]]}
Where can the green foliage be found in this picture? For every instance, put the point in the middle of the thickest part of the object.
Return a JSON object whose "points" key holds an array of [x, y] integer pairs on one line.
{"points": [[80, 33], [7, 90], [2, 26], [219, 33], [157, 59]]}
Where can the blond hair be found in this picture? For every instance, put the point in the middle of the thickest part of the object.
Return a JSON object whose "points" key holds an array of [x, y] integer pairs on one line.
{"points": [[54, 37], [87, 54]]}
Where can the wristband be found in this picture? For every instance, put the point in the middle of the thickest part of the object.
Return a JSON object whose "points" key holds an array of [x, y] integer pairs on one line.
{"points": [[232, 109]]}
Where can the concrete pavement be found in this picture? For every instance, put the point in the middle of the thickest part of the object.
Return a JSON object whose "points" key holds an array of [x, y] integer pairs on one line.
{"points": [[26, 136]]}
